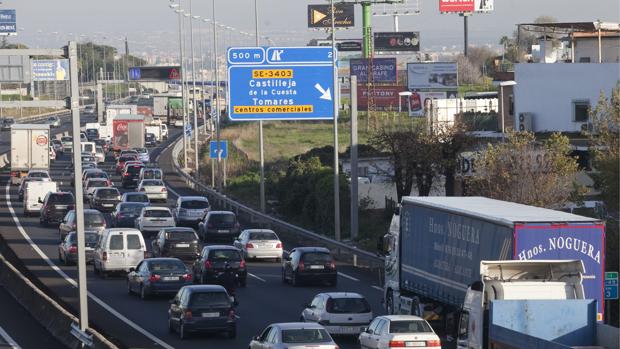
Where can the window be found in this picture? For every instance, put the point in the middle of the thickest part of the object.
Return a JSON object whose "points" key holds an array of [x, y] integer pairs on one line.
{"points": [[381, 327], [116, 242], [373, 325], [302, 336], [133, 242], [581, 109], [271, 338], [265, 334], [409, 326]]}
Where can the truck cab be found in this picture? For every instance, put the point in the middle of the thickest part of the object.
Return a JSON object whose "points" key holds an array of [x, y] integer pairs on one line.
{"points": [[514, 280]]}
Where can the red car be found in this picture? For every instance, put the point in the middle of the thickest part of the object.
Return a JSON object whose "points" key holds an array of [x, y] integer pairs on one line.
{"points": [[120, 163]]}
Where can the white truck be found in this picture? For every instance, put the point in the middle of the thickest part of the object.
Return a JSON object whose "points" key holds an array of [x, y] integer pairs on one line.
{"points": [[34, 193], [30, 145], [155, 130]]}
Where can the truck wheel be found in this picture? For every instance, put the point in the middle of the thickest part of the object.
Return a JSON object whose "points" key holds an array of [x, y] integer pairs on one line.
{"points": [[389, 302]]}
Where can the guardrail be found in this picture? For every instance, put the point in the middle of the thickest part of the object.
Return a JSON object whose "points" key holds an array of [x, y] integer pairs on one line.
{"points": [[341, 250]]}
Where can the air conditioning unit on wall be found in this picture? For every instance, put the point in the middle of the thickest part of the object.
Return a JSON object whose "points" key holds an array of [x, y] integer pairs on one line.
{"points": [[526, 122]]}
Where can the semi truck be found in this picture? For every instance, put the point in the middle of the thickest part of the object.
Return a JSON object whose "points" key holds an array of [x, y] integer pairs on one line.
{"points": [[30, 145], [435, 244], [168, 107], [127, 132]]}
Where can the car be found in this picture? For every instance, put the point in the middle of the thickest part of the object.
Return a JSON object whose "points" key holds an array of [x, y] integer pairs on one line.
{"points": [[305, 264], [118, 249], [151, 173], [102, 143], [93, 220], [164, 131], [341, 313], [105, 199], [178, 242], [190, 210], [88, 173], [87, 157], [178, 123], [33, 194], [6, 124], [213, 260], [22, 186], [120, 163], [83, 137], [52, 153], [154, 276], [67, 144], [135, 196], [259, 243], [153, 218], [155, 189], [57, 145], [219, 226], [293, 335], [53, 121], [150, 140], [99, 154], [400, 331], [130, 174], [125, 214], [89, 165], [129, 152], [92, 134], [202, 308], [92, 184], [55, 207], [143, 154], [43, 174], [67, 250], [89, 109]]}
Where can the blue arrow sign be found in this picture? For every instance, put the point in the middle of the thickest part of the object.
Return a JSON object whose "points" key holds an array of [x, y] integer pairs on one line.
{"points": [[280, 83], [223, 149]]}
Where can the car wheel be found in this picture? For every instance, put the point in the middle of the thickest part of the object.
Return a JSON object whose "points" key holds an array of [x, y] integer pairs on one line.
{"points": [[294, 280], [129, 291], [333, 282], [302, 319], [143, 294], [170, 327], [66, 261], [283, 276], [278, 260], [243, 282], [182, 333], [60, 256], [95, 269], [389, 303]]}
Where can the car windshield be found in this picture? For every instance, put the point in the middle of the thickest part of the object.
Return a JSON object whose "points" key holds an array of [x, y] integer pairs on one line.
{"points": [[166, 266], [38, 175], [137, 198], [96, 175], [66, 139], [409, 326], [63, 198], [97, 183], [92, 219], [152, 183], [108, 193], [309, 335], [231, 255], [152, 174], [89, 238], [222, 218], [133, 208], [347, 305], [209, 299], [263, 235], [157, 213], [134, 169], [194, 204], [181, 235], [317, 257], [142, 150], [126, 158]]}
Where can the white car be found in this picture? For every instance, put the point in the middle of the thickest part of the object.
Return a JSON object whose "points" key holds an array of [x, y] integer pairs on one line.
{"points": [[341, 313], [99, 154], [293, 335], [39, 174], [153, 219], [155, 189], [52, 154], [178, 123], [259, 243], [143, 155], [399, 331]]}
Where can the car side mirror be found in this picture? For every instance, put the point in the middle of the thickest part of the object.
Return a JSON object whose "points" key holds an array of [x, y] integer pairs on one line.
{"points": [[366, 330], [40, 201], [308, 305], [131, 270], [235, 303], [256, 338]]}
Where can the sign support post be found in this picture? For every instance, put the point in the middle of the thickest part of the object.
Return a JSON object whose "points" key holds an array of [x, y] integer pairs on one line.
{"points": [[261, 148], [354, 175], [335, 105]]}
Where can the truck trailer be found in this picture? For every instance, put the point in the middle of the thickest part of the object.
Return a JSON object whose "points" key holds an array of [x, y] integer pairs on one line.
{"points": [[30, 145], [127, 132], [435, 245]]}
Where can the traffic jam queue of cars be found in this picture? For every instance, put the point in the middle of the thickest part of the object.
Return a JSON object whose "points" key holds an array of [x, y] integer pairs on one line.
{"points": [[197, 256]]}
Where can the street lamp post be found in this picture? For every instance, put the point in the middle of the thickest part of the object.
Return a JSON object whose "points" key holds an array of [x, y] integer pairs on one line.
{"points": [[180, 13], [261, 143], [217, 101], [191, 43]]}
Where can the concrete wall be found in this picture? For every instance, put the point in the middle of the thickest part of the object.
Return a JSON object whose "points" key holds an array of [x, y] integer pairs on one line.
{"points": [[548, 91], [588, 47]]}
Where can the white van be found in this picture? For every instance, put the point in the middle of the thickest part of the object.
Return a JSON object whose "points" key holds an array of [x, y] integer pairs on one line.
{"points": [[89, 147], [118, 250], [34, 194], [164, 131]]}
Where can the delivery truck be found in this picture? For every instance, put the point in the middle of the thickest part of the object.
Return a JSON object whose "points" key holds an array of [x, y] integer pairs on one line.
{"points": [[435, 244], [127, 132], [30, 149], [168, 107]]}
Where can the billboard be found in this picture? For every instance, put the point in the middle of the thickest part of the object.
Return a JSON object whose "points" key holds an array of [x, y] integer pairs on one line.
{"points": [[461, 6], [385, 98], [8, 22], [383, 70], [419, 101], [154, 73], [397, 41], [432, 76], [320, 16], [50, 70]]}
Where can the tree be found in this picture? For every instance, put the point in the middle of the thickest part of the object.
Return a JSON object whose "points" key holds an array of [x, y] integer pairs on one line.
{"points": [[469, 74], [529, 172]]}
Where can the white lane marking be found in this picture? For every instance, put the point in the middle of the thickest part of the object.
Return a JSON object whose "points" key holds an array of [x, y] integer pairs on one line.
{"points": [[348, 276], [10, 341], [377, 288], [71, 281], [257, 277]]}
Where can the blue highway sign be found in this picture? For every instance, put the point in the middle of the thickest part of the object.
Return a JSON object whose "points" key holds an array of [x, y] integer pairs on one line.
{"points": [[611, 285], [280, 83], [8, 22], [223, 149]]}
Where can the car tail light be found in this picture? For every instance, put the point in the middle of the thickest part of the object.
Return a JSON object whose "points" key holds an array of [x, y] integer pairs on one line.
{"points": [[279, 245], [231, 315], [396, 344], [249, 245], [332, 265], [142, 189], [187, 277], [208, 264], [301, 266], [14, 174], [154, 278], [434, 343], [73, 249], [126, 174], [163, 190], [242, 264], [104, 256], [187, 315]]}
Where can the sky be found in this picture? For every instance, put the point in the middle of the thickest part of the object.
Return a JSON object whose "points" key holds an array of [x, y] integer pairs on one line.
{"points": [[151, 24]]}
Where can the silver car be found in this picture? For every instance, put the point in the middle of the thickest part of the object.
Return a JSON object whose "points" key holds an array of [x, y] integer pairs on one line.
{"points": [[293, 335], [53, 121], [259, 243], [190, 210], [99, 154], [153, 219]]}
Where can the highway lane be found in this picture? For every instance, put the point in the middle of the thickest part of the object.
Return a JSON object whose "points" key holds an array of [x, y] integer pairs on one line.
{"points": [[264, 301]]}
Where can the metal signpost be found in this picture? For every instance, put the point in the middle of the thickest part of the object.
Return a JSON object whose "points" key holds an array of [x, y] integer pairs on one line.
{"points": [[611, 291]]}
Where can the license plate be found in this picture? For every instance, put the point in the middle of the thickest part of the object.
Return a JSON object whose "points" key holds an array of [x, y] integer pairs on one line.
{"points": [[182, 245], [210, 314], [317, 267], [222, 231], [349, 329], [170, 278], [415, 344], [108, 205]]}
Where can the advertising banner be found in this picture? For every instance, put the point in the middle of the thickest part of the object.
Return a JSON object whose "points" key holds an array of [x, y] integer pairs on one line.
{"points": [[8, 22], [432, 76], [384, 97], [320, 16], [564, 241], [462, 6], [50, 70], [419, 101], [398, 41], [384, 70]]}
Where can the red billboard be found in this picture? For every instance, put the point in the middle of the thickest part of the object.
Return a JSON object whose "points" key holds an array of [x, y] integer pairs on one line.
{"points": [[385, 97], [457, 5]]}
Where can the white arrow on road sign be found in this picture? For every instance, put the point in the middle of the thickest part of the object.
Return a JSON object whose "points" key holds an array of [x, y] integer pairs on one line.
{"points": [[326, 94]]}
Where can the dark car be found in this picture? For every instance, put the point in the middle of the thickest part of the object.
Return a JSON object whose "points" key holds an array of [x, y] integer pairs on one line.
{"points": [[150, 140], [55, 207], [103, 144], [219, 226], [125, 214], [212, 261], [67, 250], [105, 199], [135, 196], [182, 243], [202, 308], [120, 163], [131, 175], [92, 134], [158, 276], [309, 264], [93, 220], [7, 123]]}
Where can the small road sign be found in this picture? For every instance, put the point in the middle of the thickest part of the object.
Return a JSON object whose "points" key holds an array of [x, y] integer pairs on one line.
{"points": [[213, 151], [611, 285]]}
